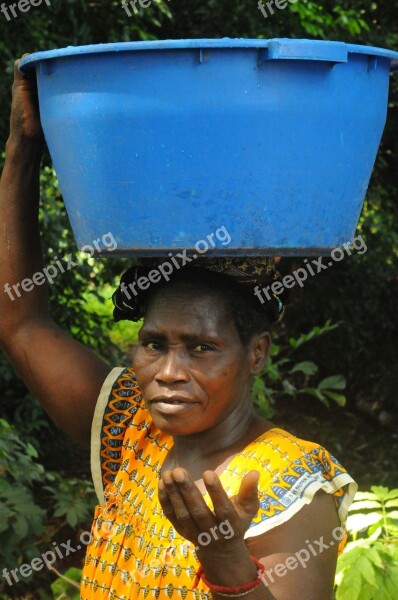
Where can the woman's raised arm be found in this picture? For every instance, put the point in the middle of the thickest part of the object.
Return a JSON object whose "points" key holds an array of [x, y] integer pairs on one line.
{"points": [[65, 376]]}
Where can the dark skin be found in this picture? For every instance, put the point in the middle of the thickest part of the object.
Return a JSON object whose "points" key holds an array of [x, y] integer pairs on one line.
{"points": [[188, 347]]}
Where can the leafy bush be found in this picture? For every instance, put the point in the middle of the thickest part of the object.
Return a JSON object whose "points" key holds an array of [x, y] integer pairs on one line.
{"points": [[282, 376], [26, 528], [368, 567], [73, 499], [21, 519]]}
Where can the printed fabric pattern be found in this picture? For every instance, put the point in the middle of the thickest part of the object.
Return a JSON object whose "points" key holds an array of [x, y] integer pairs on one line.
{"points": [[135, 552]]}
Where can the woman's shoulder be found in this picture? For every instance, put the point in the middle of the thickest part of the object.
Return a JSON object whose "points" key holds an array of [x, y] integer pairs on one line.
{"points": [[290, 463], [120, 376], [119, 406], [282, 441], [292, 471], [119, 400]]}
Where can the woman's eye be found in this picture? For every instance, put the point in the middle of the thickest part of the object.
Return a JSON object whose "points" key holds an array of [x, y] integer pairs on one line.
{"points": [[202, 348], [151, 345]]}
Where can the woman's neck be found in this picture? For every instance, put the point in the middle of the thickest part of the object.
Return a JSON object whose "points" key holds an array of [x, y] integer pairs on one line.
{"points": [[211, 448]]}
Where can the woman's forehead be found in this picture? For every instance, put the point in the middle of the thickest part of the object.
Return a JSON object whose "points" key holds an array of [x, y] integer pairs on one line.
{"points": [[189, 294], [187, 310]]}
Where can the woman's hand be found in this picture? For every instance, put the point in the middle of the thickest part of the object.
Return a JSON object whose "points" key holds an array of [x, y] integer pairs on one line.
{"points": [[25, 117], [225, 526]]}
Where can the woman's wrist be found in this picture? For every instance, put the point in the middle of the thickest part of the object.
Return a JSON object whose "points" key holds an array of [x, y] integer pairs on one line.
{"points": [[20, 147], [220, 567]]}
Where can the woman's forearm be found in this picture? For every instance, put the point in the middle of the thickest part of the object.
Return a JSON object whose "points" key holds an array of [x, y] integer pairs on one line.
{"points": [[20, 248]]}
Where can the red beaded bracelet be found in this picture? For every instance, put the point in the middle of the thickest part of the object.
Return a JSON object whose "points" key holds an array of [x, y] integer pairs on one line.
{"points": [[231, 589]]}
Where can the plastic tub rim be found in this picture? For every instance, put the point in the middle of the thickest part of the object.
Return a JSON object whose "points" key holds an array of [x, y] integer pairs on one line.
{"points": [[33, 59]]}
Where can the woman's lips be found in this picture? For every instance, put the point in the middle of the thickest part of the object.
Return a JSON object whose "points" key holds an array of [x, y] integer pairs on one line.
{"points": [[172, 406]]}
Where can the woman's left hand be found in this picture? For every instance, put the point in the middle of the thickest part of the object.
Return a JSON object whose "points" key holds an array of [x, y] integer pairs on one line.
{"points": [[224, 527]]}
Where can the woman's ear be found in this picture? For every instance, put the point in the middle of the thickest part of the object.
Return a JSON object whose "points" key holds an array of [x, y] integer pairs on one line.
{"points": [[259, 351]]}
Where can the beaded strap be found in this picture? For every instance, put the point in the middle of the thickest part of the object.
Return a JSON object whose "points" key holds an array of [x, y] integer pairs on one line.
{"points": [[223, 590]]}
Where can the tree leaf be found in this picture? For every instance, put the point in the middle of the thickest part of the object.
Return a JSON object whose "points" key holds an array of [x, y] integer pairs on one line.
{"points": [[351, 585], [360, 522], [361, 504], [392, 494], [21, 527], [288, 388], [382, 492], [375, 531], [340, 399], [317, 393], [307, 367], [334, 382], [31, 451], [374, 557], [391, 581], [365, 496], [72, 517], [366, 568]]}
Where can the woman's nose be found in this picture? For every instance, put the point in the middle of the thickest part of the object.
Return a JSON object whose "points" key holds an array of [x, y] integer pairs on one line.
{"points": [[172, 369]]}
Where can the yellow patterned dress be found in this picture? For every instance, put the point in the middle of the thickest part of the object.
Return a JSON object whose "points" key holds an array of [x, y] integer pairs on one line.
{"points": [[135, 552]]}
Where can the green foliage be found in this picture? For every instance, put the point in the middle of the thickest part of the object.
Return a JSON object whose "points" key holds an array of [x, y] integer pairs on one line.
{"points": [[73, 499], [66, 587], [123, 334], [318, 20], [21, 519], [68, 290], [368, 567], [35, 505], [284, 377]]}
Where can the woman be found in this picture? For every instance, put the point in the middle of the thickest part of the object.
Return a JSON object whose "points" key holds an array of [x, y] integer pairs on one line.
{"points": [[198, 496]]}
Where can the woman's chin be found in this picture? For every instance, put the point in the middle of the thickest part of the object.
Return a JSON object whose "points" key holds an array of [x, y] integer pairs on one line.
{"points": [[172, 425]]}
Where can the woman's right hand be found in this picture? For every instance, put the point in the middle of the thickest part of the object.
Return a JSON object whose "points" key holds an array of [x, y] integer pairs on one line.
{"points": [[25, 125]]}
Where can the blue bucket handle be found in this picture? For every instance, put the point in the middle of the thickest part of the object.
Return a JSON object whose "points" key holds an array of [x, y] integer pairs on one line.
{"points": [[334, 52]]}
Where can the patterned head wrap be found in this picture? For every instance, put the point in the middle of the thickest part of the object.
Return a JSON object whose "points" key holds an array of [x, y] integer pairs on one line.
{"points": [[247, 273]]}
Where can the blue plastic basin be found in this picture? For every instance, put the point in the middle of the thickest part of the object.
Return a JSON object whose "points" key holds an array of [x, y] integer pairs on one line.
{"points": [[162, 143]]}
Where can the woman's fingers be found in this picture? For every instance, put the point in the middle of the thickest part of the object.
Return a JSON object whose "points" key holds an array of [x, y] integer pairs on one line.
{"points": [[223, 507], [183, 504], [25, 117], [175, 498], [245, 501], [165, 501], [247, 497], [17, 73]]}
